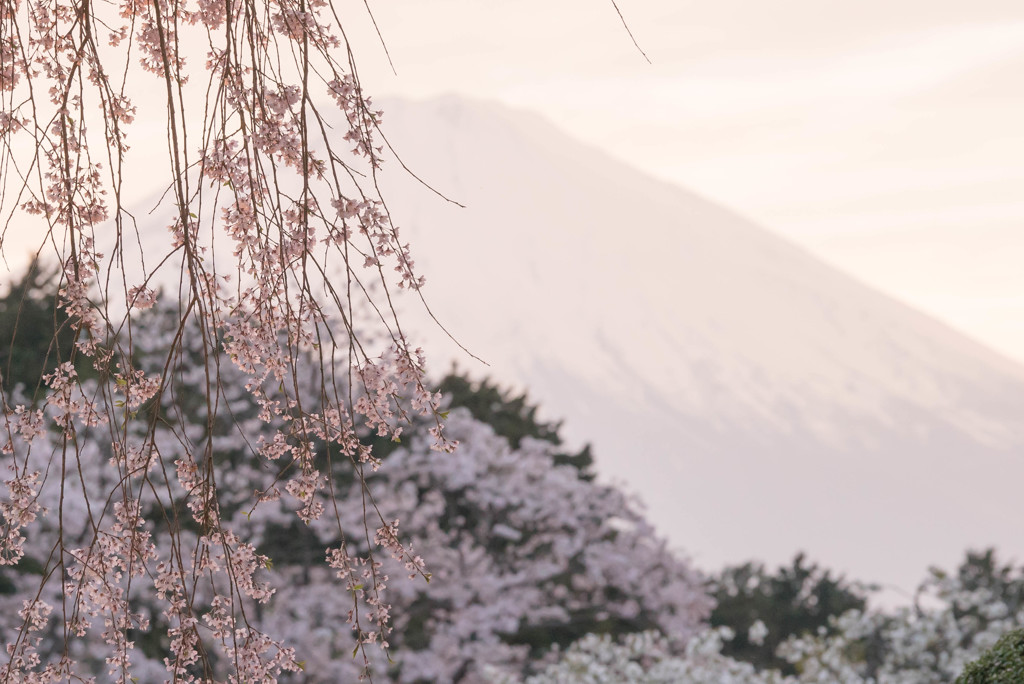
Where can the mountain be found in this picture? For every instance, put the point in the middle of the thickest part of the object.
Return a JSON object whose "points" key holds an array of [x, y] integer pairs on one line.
{"points": [[758, 401]]}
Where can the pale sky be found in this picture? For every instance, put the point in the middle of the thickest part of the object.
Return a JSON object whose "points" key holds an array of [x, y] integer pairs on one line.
{"points": [[885, 136]]}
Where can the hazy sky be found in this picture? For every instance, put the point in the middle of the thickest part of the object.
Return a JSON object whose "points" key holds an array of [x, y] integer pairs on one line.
{"points": [[886, 136]]}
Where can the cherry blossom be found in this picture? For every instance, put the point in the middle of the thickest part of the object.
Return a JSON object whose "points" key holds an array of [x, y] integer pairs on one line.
{"points": [[247, 322]]}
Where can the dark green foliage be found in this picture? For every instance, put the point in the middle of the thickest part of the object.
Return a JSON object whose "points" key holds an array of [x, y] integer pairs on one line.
{"points": [[1001, 664], [25, 566], [34, 333], [794, 600], [511, 416], [295, 544]]}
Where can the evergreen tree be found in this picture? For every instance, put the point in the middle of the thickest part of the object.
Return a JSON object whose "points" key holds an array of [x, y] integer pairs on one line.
{"points": [[511, 416], [34, 333], [797, 599], [1002, 664]]}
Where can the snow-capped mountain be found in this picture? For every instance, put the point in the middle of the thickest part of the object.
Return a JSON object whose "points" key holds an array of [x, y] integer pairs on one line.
{"points": [[757, 400]]}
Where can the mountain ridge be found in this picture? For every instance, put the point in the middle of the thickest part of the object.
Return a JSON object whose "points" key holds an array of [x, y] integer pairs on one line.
{"points": [[759, 401], [613, 297]]}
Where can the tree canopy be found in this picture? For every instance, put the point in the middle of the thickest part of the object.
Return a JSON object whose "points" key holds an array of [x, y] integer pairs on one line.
{"points": [[526, 554]]}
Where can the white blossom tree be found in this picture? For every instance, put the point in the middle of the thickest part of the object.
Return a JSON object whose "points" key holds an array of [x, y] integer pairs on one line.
{"points": [[523, 553]]}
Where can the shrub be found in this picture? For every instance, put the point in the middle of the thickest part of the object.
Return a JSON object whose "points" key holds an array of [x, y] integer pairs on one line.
{"points": [[1001, 664]]}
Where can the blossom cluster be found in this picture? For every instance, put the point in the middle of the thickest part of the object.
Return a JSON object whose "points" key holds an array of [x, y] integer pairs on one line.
{"points": [[168, 519], [233, 365]]}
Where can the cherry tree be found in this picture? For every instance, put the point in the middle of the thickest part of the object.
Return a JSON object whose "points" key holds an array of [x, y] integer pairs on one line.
{"points": [[268, 241], [190, 495], [523, 553], [280, 262]]}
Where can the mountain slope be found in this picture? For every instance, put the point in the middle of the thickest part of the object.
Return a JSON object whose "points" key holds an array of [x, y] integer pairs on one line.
{"points": [[757, 400]]}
